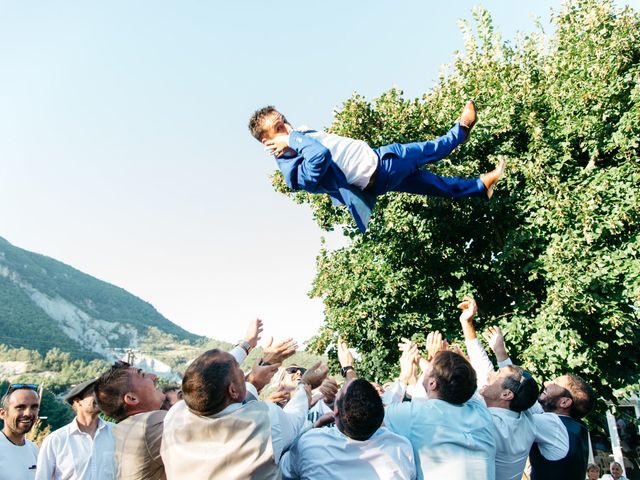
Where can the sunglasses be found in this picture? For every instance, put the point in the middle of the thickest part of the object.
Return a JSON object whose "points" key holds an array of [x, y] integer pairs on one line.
{"points": [[525, 376], [292, 370], [21, 386]]}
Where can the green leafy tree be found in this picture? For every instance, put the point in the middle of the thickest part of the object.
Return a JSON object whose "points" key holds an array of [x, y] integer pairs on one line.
{"points": [[553, 258]]}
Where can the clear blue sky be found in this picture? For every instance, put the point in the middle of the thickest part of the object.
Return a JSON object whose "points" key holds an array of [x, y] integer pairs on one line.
{"points": [[124, 150]]}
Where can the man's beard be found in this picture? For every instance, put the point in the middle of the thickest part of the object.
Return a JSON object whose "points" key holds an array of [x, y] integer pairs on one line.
{"points": [[549, 404]]}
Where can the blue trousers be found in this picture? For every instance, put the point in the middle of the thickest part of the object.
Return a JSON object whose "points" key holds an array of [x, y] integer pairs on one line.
{"points": [[399, 169]]}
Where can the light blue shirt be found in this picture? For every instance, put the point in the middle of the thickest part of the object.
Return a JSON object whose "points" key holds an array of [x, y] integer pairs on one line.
{"points": [[449, 441]]}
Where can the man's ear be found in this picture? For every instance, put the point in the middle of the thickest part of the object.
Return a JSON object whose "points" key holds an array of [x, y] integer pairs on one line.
{"points": [[565, 402], [507, 395], [3, 413], [131, 398], [233, 393], [430, 384]]}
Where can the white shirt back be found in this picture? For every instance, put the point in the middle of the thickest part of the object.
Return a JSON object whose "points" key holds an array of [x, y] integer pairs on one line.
{"points": [[327, 453], [17, 462]]}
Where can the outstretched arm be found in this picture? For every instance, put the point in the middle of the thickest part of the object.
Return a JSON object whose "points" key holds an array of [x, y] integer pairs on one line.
{"points": [[315, 160], [477, 356]]}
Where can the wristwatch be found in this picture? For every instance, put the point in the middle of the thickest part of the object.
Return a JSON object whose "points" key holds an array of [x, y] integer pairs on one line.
{"points": [[246, 346], [344, 370]]}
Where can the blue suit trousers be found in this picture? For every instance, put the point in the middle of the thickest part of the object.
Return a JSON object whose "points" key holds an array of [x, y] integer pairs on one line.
{"points": [[399, 169]]}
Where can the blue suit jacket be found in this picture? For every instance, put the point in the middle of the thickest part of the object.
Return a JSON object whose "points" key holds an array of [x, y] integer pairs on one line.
{"points": [[312, 169]]}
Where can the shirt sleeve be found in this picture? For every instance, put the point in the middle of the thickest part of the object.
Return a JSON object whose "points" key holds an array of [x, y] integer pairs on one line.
{"points": [[315, 162], [398, 418], [479, 361], [551, 435], [46, 464], [287, 423], [394, 393], [239, 354]]}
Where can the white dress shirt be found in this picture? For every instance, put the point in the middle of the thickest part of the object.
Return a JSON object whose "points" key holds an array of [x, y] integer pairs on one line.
{"points": [[69, 453], [327, 453], [515, 432]]}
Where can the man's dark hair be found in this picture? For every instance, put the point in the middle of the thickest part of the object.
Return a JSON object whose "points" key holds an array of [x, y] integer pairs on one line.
{"points": [[206, 381], [257, 121], [524, 387], [110, 389], [360, 409], [457, 380], [584, 398]]}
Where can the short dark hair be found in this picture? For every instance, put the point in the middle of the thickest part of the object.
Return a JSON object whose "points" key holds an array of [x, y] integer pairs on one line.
{"points": [[360, 409], [257, 120], [110, 389], [583, 396], [205, 383], [457, 380], [524, 387]]}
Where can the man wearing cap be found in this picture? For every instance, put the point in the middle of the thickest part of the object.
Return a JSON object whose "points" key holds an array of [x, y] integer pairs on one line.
{"points": [[85, 448], [19, 412]]}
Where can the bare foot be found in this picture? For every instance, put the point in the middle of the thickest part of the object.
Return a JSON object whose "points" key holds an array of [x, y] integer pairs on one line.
{"points": [[490, 179]]}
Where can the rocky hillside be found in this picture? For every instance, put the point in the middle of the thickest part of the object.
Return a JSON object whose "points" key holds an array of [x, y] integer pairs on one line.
{"points": [[45, 303]]}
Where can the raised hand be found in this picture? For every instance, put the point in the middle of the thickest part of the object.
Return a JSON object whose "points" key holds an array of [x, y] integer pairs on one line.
{"points": [[495, 339], [280, 351], [408, 363], [344, 355], [253, 332], [434, 344], [469, 309], [280, 396], [315, 375], [278, 145], [260, 375], [329, 390]]}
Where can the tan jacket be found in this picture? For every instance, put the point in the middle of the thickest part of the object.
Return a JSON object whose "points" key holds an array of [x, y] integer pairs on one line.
{"points": [[138, 440]]}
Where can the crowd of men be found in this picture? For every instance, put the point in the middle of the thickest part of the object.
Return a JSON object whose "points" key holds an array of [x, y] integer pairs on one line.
{"points": [[448, 415]]}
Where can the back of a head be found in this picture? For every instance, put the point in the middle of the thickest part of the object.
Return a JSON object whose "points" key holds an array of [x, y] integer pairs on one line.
{"points": [[457, 380], [524, 387], [584, 398], [360, 409], [110, 389], [205, 382]]}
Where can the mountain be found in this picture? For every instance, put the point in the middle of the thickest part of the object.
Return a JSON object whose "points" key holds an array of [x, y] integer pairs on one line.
{"points": [[45, 303]]}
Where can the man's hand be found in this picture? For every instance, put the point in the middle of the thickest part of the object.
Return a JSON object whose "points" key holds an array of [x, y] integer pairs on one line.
{"points": [[329, 390], [344, 355], [260, 375], [280, 351], [315, 375], [280, 396], [253, 332], [455, 348], [324, 420], [495, 339], [278, 145], [435, 343], [408, 361], [469, 309]]}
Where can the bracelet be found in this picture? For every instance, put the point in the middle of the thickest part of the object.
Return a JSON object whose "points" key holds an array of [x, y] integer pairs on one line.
{"points": [[246, 346], [344, 370]]}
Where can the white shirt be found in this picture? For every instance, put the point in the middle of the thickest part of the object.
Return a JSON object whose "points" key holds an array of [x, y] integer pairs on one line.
{"points": [[327, 453], [69, 453], [515, 432], [355, 158], [17, 462]]}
